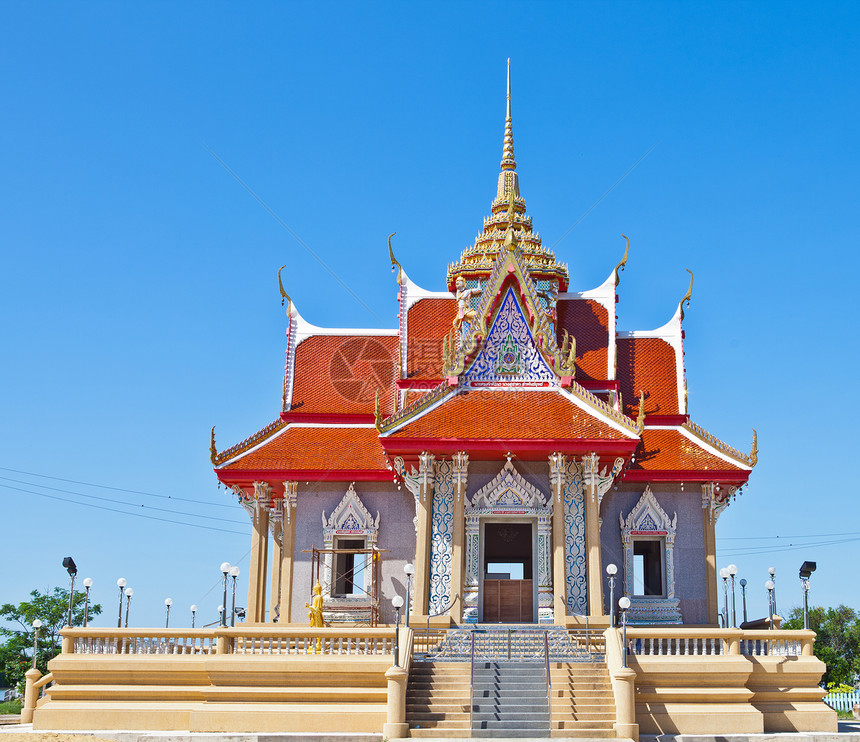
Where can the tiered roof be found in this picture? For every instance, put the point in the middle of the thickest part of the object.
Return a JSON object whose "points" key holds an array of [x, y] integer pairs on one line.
{"points": [[522, 366]]}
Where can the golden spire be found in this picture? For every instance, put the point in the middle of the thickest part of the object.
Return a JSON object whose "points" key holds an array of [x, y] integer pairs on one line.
{"points": [[508, 161]]}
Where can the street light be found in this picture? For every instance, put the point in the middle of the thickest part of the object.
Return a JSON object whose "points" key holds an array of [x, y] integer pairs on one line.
{"points": [[69, 564], [744, 597], [409, 569], [624, 605], [88, 583], [611, 570], [128, 593], [225, 569], [221, 616], [167, 603], [724, 573], [37, 624], [772, 572], [234, 573], [120, 583], [769, 586], [733, 570], [193, 614], [397, 602], [806, 570]]}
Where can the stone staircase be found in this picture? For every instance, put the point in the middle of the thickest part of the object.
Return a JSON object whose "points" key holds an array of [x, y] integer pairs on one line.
{"points": [[510, 697], [581, 700], [437, 699], [510, 700]]}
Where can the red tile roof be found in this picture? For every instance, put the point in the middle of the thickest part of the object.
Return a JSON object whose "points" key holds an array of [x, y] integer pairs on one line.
{"points": [[315, 449], [669, 450], [341, 374], [428, 321], [588, 322], [514, 415], [648, 364]]}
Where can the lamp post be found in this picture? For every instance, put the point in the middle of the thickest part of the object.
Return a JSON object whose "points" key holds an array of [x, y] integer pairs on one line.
{"points": [[120, 583], [724, 573], [88, 583], [225, 570], [409, 569], [128, 593], [69, 564], [193, 615], [611, 570], [744, 597], [221, 617], [397, 602], [733, 570], [624, 604], [167, 603], [37, 624], [769, 586], [772, 572], [806, 570], [234, 573]]}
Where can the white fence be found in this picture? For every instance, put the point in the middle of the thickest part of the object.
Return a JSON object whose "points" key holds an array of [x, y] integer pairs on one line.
{"points": [[842, 701]]}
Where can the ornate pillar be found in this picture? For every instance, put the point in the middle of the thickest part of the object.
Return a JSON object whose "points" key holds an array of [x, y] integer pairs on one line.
{"points": [[711, 509], [256, 610], [424, 507], [557, 478], [288, 536], [461, 476], [590, 466], [276, 521]]}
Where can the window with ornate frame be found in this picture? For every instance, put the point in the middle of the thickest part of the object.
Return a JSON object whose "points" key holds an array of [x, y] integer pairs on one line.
{"points": [[648, 541]]}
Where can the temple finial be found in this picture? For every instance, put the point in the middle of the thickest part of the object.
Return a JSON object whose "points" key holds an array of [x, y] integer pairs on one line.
{"points": [[508, 161]]}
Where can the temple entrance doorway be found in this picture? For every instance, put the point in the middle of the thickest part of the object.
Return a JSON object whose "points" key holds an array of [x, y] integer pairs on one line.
{"points": [[508, 572]]}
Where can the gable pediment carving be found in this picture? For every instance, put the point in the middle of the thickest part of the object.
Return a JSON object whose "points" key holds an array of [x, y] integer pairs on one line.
{"points": [[508, 490]]}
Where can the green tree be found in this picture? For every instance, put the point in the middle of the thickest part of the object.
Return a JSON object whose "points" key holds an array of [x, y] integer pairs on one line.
{"points": [[51, 608], [837, 641]]}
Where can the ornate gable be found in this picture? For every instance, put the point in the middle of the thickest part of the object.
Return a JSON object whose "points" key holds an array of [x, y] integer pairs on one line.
{"points": [[509, 356], [647, 519], [350, 516], [508, 490]]}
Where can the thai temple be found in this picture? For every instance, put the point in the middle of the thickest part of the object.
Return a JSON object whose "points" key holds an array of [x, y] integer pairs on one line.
{"points": [[478, 496]]}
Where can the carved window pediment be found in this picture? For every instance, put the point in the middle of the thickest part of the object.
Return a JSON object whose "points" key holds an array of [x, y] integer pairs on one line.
{"points": [[350, 516], [508, 490]]}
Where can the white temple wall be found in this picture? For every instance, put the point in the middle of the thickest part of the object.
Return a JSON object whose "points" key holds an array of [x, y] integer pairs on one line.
{"points": [[689, 549], [396, 535]]}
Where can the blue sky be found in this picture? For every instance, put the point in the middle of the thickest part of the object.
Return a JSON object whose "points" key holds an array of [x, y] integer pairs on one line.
{"points": [[138, 295]]}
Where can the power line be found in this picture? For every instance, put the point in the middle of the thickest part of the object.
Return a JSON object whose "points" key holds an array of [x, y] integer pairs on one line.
{"points": [[122, 512], [116, 502], [115, 489]]}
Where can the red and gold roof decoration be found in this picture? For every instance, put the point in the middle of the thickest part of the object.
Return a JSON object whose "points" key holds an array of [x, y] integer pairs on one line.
{"points": [[508, 416], [428, 321], [687, 453], [508, 213], [318, 448]]}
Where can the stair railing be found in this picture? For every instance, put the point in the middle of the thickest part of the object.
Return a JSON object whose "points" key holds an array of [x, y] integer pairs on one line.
{"points": [[471, 679]]}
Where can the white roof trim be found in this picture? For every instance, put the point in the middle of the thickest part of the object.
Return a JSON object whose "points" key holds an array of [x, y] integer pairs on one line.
{"points": [[414, 293], [290, 426], [702, 444], [305, 330]]}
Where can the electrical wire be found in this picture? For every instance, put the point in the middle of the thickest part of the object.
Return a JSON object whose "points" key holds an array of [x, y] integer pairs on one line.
{"points": [[116, 502], [115, 489], [123, 512]]}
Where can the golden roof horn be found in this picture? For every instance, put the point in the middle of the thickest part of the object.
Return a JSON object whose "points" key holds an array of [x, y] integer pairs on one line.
{"points": [[395, 266], [284, 294], [620, 266], [687, 296]]}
